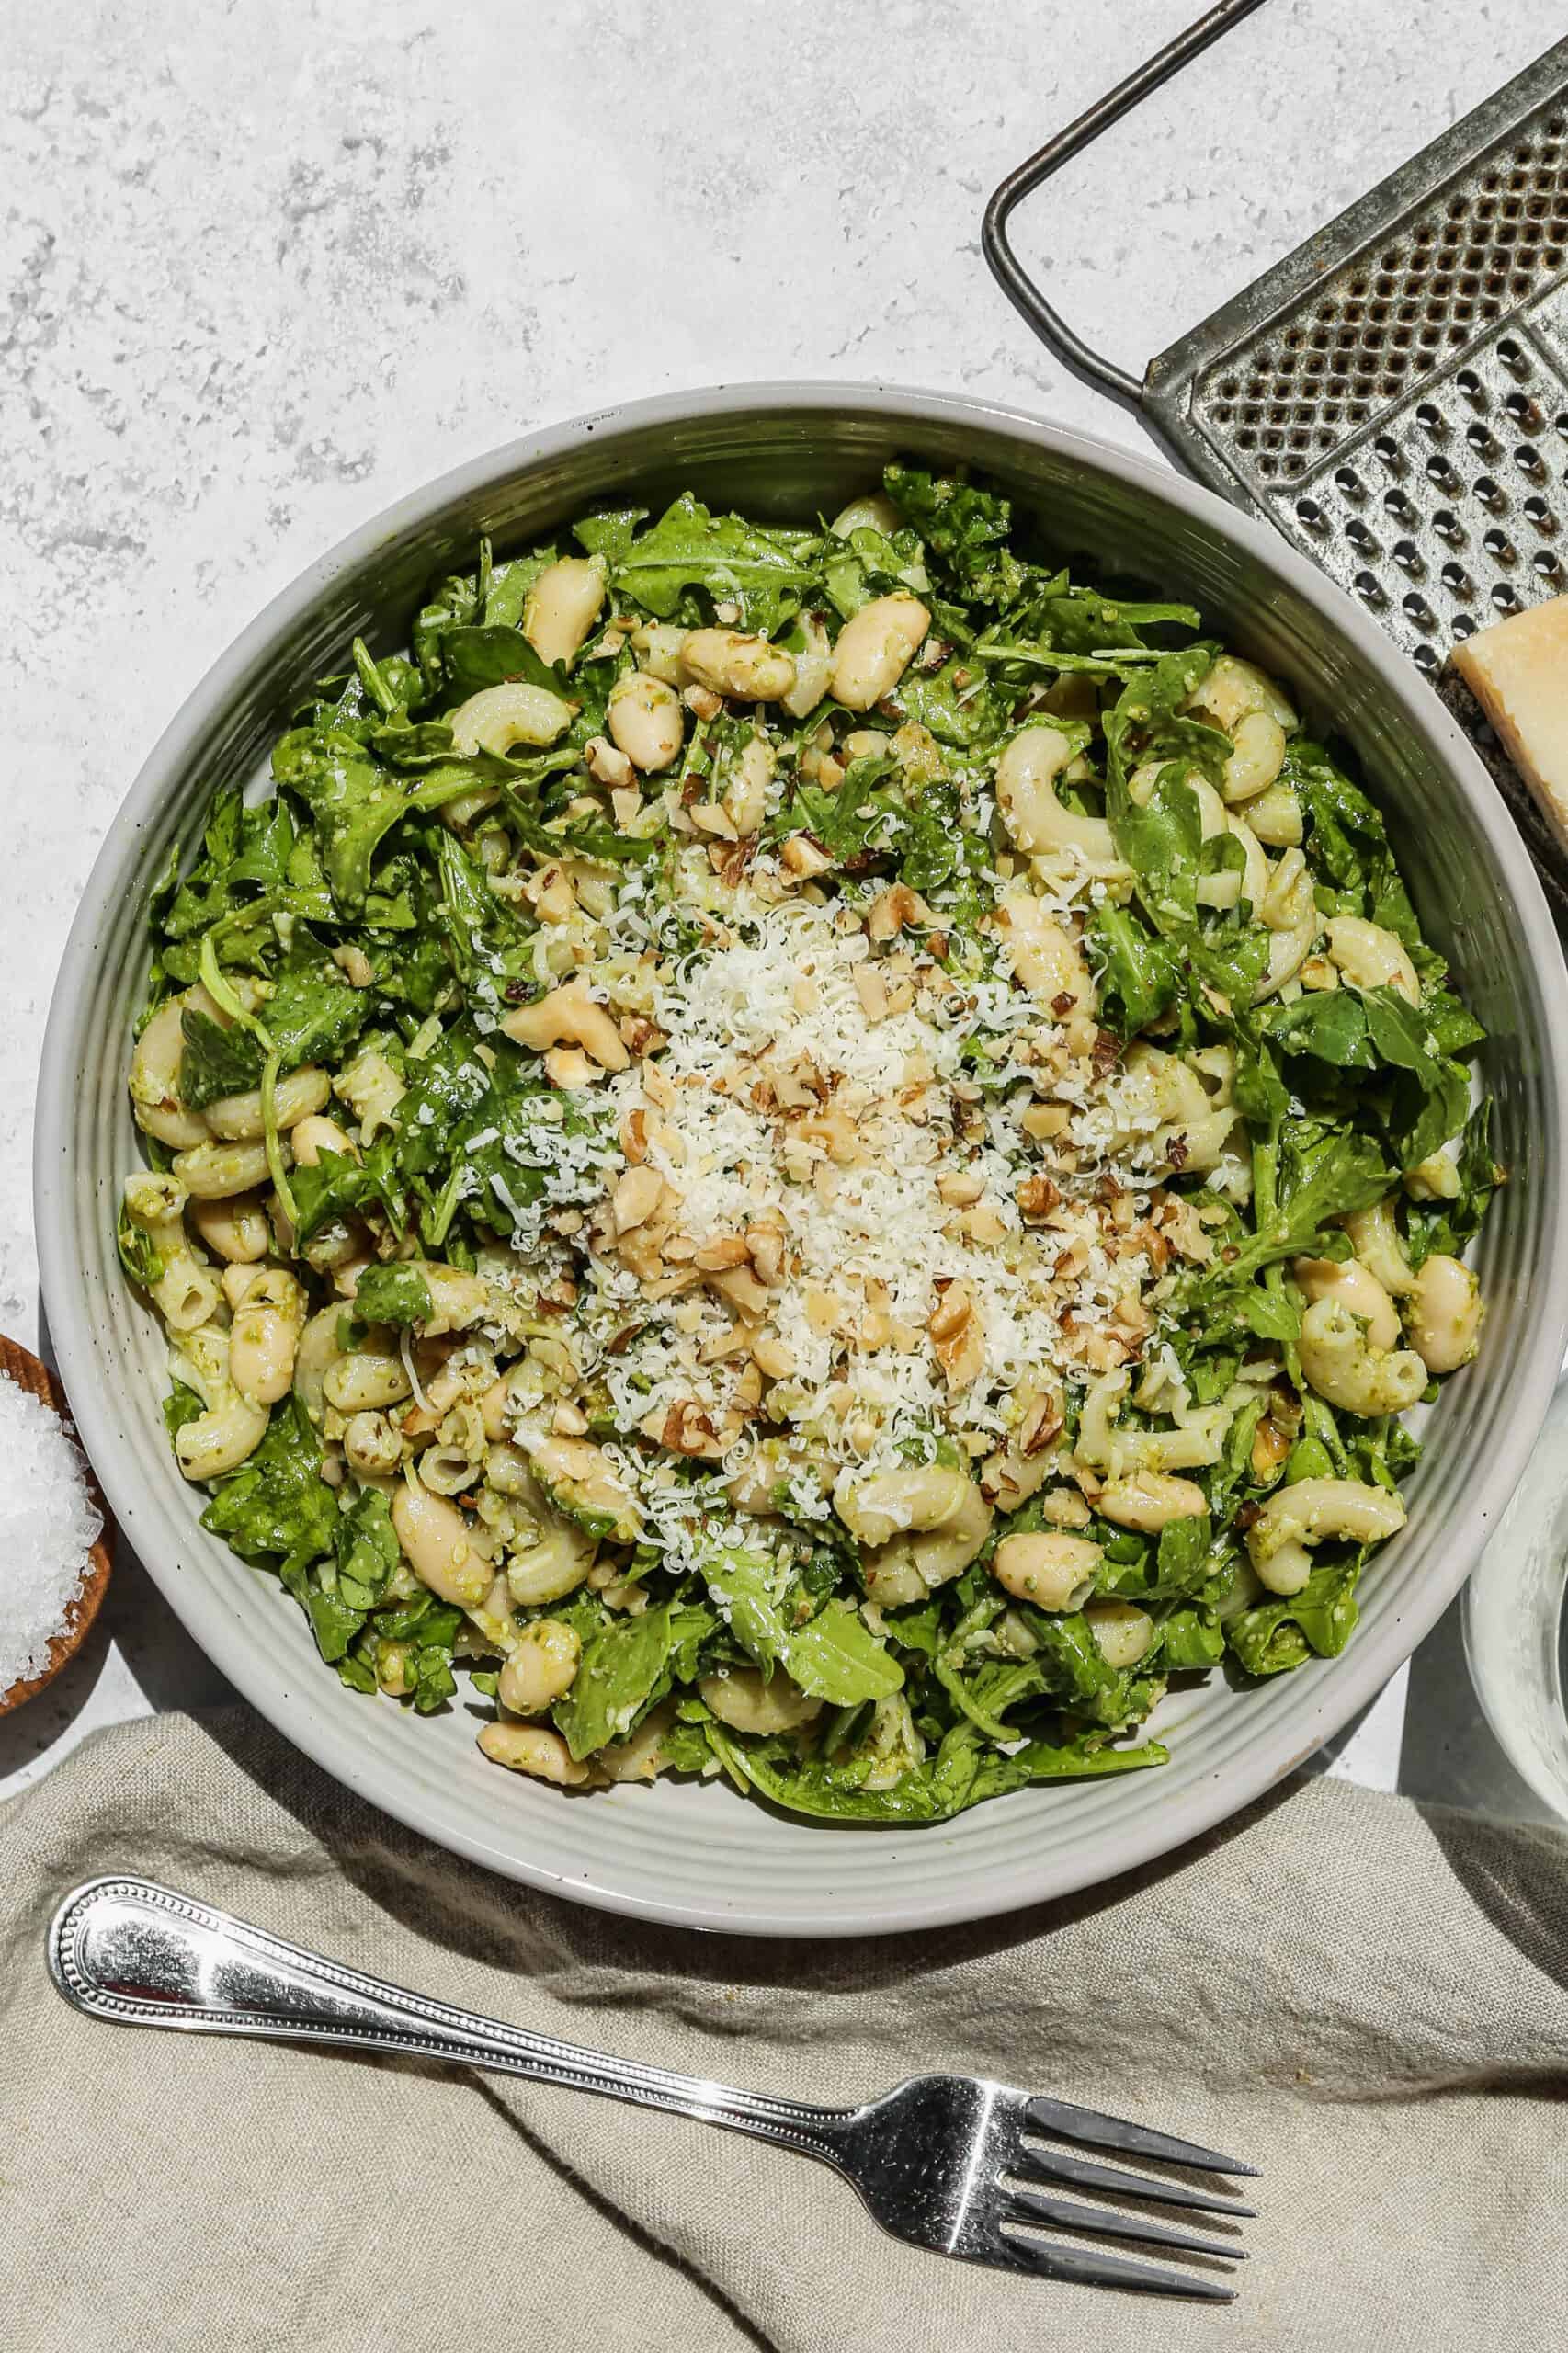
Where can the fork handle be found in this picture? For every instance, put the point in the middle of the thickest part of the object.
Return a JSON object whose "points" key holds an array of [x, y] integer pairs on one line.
{"points": [[130, 1950]]}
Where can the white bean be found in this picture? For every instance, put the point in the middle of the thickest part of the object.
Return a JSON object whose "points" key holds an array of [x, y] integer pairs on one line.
{"points": [[563, 606], [371, 1446], [314, 1135], [1444, 1315], [876, 647], [530, 1748], [740, 1698], [727, 662], [1275, 817], [1150, 1500], [235, 1229], [238, 1118], [542, 1669], [211, 1172], [925, 1496], [362, 1382], [1123, 1634], [436, 1543], [873, 512], [646, 720], [1047, 1566], [319, 1350], [264, 1337]]}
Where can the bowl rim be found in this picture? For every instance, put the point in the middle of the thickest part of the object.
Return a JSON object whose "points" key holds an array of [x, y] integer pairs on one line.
{"points": [[1289, 1732]]}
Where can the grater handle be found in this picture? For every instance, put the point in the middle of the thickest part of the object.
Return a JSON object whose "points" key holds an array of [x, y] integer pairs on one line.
{"points": [[1006, 267]]}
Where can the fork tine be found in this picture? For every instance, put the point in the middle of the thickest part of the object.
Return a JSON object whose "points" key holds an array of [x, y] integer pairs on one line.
{"points": [[1098, 2131], [1053, 2164], [1071, 2216], [1106, 2271]]}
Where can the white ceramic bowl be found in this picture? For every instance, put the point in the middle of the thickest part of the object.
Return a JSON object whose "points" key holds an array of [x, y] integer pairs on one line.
{"points": [[701, 1856]]}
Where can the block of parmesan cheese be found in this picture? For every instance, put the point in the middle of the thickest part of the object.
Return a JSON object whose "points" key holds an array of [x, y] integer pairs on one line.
{"points": [[1517, 672]]}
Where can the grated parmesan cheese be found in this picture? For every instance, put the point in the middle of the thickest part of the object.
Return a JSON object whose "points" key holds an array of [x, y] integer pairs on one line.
{"points": [[778, 1101]]}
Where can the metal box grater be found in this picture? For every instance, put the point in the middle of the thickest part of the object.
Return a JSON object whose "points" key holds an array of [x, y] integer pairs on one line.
{"points": [[1394, 395]]}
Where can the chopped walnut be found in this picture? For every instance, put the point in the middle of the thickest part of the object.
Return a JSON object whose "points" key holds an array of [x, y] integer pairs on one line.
{"points": [[1037, 1197], [804, 856], [715, 1258], [685, 1428], [957, 1336], [893, 908]]}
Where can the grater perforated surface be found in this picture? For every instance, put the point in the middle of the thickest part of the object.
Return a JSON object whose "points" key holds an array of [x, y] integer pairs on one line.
{"points": [[1395, 395]]}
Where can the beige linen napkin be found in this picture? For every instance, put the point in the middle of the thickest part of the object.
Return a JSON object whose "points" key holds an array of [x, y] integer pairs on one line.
{"points": [[1365, 1998]]}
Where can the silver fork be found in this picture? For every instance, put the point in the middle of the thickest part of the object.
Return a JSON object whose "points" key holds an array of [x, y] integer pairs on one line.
{"points": [[953, 2163]]}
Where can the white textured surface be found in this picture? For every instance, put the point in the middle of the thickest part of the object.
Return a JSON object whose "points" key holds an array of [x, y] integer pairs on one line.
{"points": [[266, 268]]}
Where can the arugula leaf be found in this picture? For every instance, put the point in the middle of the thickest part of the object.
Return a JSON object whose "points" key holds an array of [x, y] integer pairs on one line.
{"points": [[1325, 1174], [871, 817], [747, 1588], [1190, 1641], [1084, 620], [491, 657], [965, 1772], [355, 804], [311, 1015], [215, 1062], [959, 704], [1433, 1104], [611, 533], [392, 1294], [1328, 1024], [137, 1254], [368, 1550], [336, 1186], [767, 573], [1138, 972], [622, 1662], [1076, 1669], [965, 529], [277, 1502], [181, 1405], [509, 589], [1447, 1226], [334, 1621], [1278, 1635], [452, 603], [836, 1657], [1347, 835]]}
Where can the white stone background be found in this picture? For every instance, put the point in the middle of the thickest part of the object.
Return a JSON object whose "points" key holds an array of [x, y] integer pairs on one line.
{"points": [[266, 264]]}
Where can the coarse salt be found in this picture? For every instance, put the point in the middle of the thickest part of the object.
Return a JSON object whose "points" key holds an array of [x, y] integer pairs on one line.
{"points": [[48, 1524]]}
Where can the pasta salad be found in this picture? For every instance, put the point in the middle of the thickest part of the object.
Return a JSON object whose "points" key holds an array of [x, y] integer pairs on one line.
{"points": [[819, 1155]]}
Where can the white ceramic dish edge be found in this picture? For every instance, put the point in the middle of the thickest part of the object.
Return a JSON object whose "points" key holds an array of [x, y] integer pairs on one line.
{"points": [[326, 1722]]}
